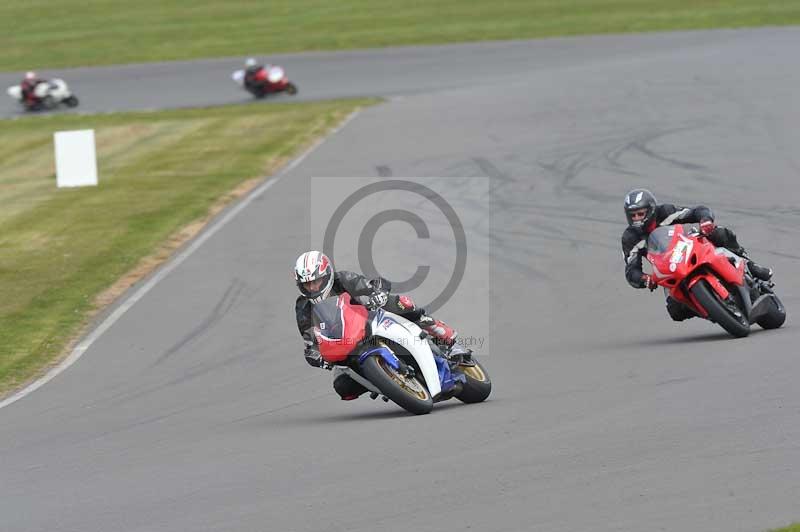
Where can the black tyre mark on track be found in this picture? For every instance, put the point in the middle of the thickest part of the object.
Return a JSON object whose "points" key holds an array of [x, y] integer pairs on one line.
{"points": [[222, 307]]}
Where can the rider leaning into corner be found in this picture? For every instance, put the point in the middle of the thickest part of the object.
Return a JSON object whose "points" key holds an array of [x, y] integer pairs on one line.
{"points": [[28, 86], [317, 280], [251, 68], [645, 215]]}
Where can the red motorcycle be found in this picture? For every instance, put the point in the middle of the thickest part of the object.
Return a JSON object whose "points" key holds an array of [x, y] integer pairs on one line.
{"points": [[268, 80], [713, 282]]}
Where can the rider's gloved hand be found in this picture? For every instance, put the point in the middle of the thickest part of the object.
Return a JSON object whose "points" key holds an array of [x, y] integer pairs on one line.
{"points": [[377, 299], [649, 282], [707, 227], [314, 357]]}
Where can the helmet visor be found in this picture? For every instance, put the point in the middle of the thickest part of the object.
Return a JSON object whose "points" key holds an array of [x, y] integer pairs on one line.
{"points": [[638, 215], [316, 285]]}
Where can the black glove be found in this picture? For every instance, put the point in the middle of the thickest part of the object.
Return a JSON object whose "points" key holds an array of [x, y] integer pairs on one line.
{"points": [[649, 282], [313, 357], [377, 300]]}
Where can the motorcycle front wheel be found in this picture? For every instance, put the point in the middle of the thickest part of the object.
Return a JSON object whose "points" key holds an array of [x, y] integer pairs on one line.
{"points": [[719, 312], [291, 88], [72, 101], [406, 391]]}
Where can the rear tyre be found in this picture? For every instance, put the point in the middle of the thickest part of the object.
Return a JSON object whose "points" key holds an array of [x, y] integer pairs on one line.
{"points": [[72, 101], [719, 312], [406, 391], [478, 385], [776, 316], [291, 88]]}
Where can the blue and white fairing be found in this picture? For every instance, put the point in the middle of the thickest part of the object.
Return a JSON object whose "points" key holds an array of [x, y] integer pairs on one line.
{"points": [[408, 334]]}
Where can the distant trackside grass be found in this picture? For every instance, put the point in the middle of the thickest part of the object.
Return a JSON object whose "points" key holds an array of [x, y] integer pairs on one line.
{"points": [[43, 33], [791, 528], [159, 172]]}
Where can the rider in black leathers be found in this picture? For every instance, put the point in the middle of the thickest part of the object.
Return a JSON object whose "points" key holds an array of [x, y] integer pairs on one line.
{"points": [[644, 215], [28, 86], [252, 67]]}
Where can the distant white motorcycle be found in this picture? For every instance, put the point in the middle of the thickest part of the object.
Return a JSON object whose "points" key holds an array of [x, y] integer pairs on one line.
{"points": [[48, 95]]}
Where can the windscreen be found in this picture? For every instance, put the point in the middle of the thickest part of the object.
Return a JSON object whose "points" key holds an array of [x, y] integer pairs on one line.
{"points": [[660, 239], [328, 318]]}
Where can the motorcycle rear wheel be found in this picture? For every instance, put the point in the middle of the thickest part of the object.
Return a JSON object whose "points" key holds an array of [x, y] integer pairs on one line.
{"points": [[478, 385], [718, 311], [406, 391], [776, 316]]}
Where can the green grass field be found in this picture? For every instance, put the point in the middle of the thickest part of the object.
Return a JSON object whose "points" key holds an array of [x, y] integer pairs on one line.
{"points": [[47, 33], [158, 172], [791, 528]]}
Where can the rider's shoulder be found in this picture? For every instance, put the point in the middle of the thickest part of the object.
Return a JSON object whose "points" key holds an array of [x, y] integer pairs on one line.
{"points": [[632, 235], [345, 275], [665, 209]]}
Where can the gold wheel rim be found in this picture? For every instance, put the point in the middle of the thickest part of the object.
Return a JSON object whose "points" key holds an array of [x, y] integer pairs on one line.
{"points": [[410, 385], [474, 372]]}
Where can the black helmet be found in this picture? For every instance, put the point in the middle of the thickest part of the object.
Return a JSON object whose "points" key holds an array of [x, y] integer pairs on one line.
{"points": [[636, 200]]}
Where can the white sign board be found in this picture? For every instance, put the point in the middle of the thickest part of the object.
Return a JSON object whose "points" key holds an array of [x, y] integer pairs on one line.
{"points": [[76, 163]]}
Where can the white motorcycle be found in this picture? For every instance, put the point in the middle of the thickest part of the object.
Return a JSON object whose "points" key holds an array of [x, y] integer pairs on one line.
{"points": [[392, 357], [48, 95]]}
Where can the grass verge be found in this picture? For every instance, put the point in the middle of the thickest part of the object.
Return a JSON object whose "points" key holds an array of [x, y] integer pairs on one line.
{"points": [[161, 177], [96, 32], [791, 528]]}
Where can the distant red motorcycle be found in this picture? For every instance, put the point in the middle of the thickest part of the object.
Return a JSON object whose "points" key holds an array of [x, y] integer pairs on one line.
{"points": [[712, 281], [269, 79]]}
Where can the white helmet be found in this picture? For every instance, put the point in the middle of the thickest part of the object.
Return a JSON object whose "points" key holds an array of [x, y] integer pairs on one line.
{"points": [[251, 62], [30, 76], [313, 272]]}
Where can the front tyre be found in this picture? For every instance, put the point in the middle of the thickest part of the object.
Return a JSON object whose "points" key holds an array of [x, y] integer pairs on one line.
{"points": [[478, 385], [72, 101], [291, 88], [719, 311], [406, 391]]}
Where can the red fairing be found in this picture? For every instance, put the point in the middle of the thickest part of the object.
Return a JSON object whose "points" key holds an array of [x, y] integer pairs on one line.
{"points": [[688, 259], [261, 75], [353, 321]]}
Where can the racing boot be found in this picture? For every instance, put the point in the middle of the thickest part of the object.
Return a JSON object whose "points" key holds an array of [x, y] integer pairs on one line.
{"points": [[347, 388], [440, 331], [678, 311], [458, 354], [445, 337], [761, 273]]}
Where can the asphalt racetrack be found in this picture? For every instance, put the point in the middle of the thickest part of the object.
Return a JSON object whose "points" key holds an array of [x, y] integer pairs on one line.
{"points": [[196, 412]]}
